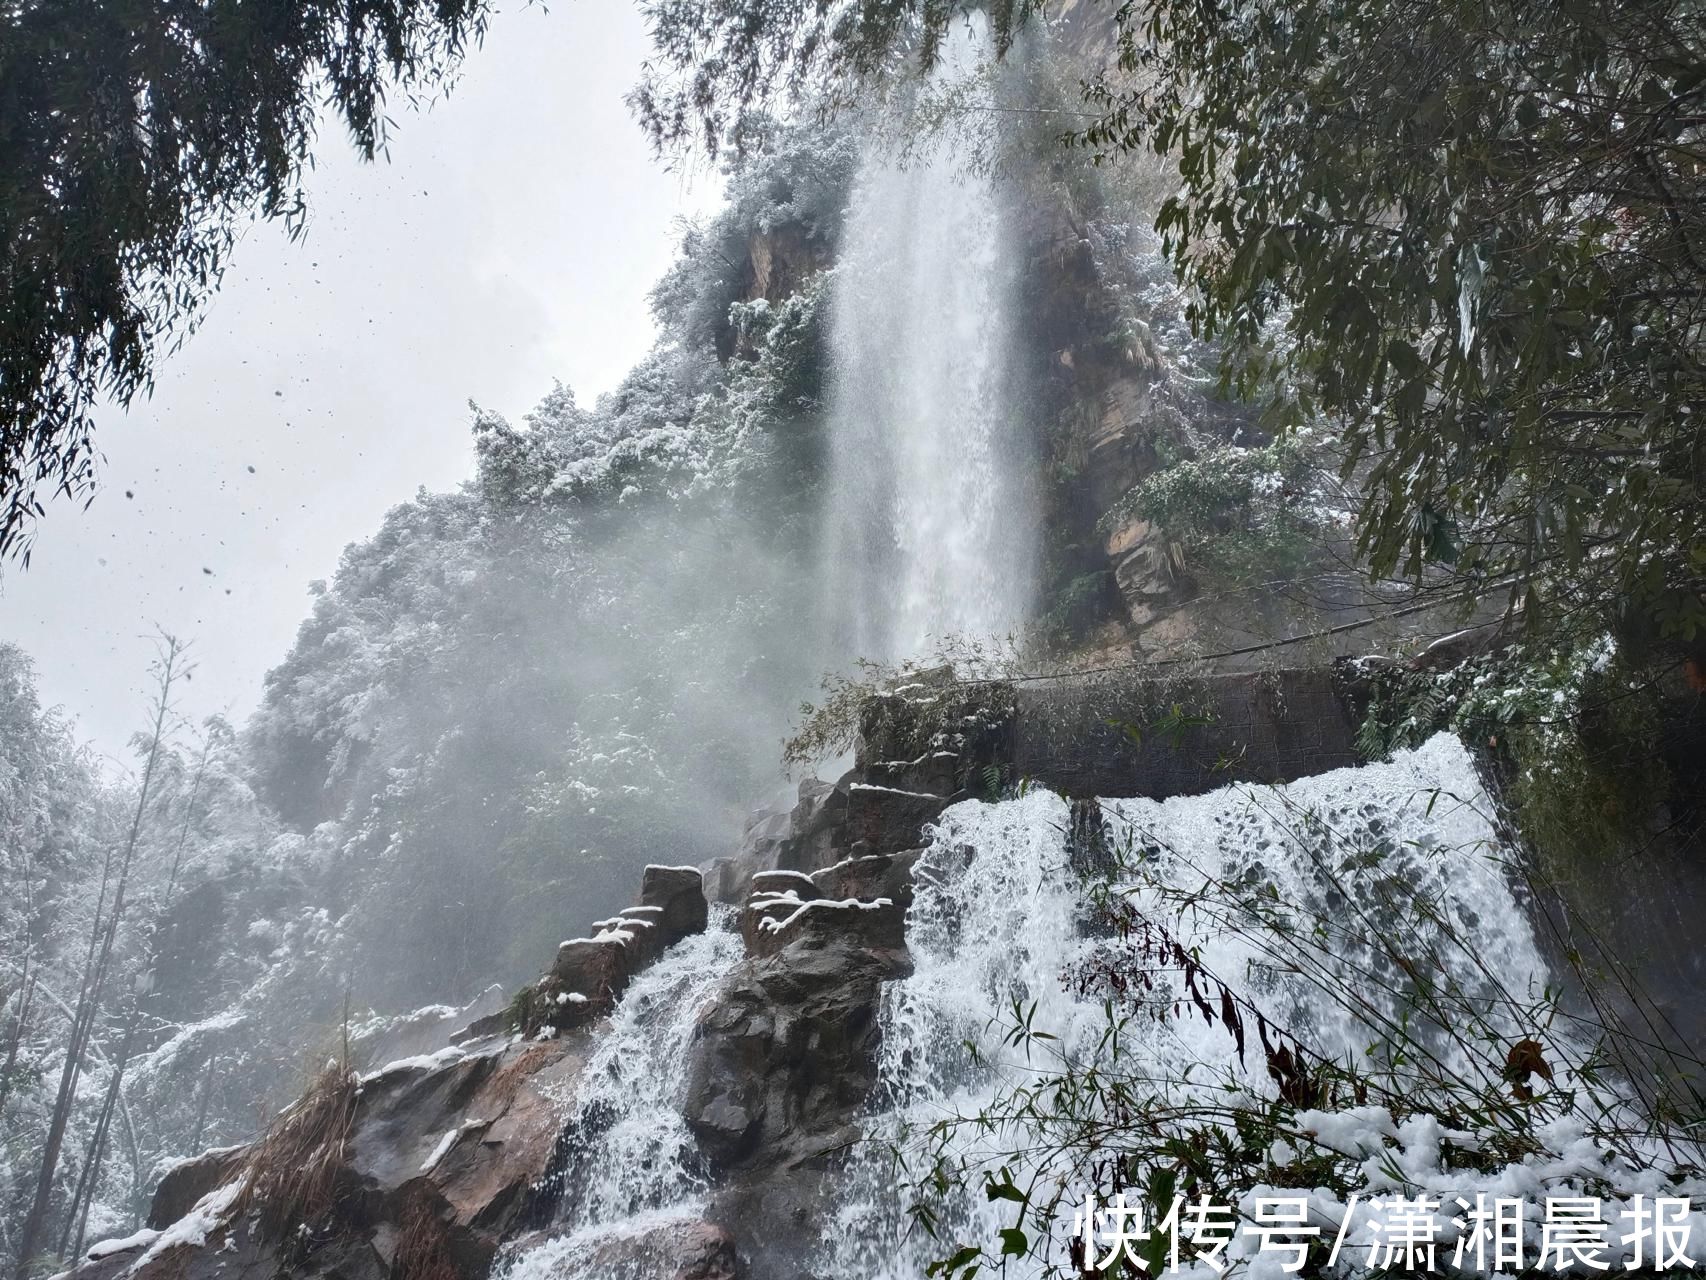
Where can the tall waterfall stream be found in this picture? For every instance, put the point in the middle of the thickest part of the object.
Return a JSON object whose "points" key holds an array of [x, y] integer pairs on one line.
{"points": [[931, 532]]}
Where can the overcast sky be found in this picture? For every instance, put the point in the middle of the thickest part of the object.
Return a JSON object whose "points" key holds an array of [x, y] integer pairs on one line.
{"points": [[511, 240]]}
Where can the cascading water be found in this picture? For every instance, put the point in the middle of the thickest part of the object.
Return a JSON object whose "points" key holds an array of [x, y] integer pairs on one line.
{"points": [[999, 921], [931, 534], [631, 1165]]}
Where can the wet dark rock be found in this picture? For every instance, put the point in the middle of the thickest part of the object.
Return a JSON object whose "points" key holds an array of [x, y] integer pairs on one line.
{"points": [[692, 1250], [724, 883], [816, 825], [887, 820], [870, 875], [493, 1024], [777, 1216], [680, 893], [705, 1252], [757, 911], [645, 924], [877, 926], [1125, 734], [796, 882]]}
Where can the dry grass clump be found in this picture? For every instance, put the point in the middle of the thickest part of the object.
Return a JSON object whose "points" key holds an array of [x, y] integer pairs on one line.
{"points": [[423, 1243], [290, 1177]]}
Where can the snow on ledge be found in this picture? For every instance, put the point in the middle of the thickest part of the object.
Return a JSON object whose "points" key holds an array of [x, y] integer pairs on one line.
{"points": [[896, 791], [772, 925], [451, 1053], [106, 1248]]}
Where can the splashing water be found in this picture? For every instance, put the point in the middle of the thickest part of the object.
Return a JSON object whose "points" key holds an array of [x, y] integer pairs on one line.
{"points": [[632, 1165], [932, 535], [998, 920]]}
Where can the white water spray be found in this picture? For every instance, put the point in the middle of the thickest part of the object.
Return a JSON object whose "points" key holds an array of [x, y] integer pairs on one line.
{"points": [[932, 534], [995, 926]]}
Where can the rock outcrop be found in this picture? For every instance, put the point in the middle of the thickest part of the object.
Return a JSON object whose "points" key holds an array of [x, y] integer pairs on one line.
{"points": [[431, 1163], [784, 1060], [437, 1163]]}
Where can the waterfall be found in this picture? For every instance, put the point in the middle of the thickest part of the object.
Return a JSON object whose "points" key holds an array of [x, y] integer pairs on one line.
{"points": [[931, 533], [1000, 928], [631, 1164]]}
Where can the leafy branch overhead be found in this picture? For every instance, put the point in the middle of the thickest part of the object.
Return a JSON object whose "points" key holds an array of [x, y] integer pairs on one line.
{"points": [[1474, 236], [136, 140]]}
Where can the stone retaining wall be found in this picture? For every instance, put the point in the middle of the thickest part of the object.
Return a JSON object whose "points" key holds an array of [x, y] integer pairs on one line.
{"points": [[1130, 733]]}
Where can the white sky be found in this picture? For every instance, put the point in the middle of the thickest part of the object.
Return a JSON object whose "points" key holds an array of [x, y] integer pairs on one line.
{"points": [[511, 240]]}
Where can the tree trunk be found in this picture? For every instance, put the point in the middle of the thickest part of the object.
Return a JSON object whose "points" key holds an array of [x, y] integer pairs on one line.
{"points": [[20, 1027], [206, 1101], [70, 1245], [169, 668]]}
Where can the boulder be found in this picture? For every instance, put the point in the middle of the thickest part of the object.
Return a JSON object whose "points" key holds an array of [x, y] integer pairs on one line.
{"points": [[878, 926], [668, 1250], [764, 846], [597, 968], [760, 908], [778, 1215], [188, 1181], [705, 1252], [444, 1150], [726, 880], [817, 825], [761, 842], [679, 893], [770, 883], [646, 925]]}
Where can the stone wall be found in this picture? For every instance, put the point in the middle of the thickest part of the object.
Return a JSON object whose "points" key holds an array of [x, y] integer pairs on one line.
{"points": [[1130, 733]]}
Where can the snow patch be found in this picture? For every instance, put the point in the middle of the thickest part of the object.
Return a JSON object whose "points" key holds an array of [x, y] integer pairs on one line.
{"points": [[445, 1057], [448, 1141], [191, 1230], [141, 1240]]}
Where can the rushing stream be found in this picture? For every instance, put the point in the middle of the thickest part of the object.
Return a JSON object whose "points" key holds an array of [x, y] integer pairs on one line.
{"points": [[1000, 922], [632, 1164], [1004, 926]]}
